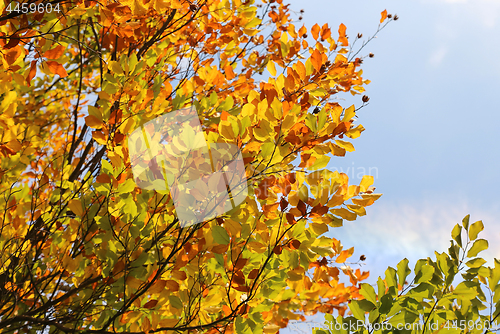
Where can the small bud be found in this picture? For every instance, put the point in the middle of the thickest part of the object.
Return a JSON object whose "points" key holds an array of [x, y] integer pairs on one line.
{"points": [[193, 8], [365, 98], [396, 17], [371, 55], [301, 11], [360, 35], [389, 15], [362, 257], [304, 36], [300, 18]]}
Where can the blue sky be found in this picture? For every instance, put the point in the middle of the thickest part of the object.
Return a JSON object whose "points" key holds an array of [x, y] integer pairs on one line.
{"points": [[432, 126]]}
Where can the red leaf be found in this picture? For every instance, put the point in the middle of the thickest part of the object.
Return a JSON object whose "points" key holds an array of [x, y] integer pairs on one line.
{"points": [[13, 42], [151, 303], [290, 218], [283, 204], [294, 244], [253, 274], [302, 207]]}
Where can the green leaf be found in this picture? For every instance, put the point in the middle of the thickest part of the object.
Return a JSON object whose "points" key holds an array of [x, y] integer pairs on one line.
{"points": [[403, 271], [220, 235], [494, 276], [465, 222], [402, 318], [381, 287], [424, 274], [126, 187], [175, 302], [456, 234], [356, 310], [475, 263], [386, 302], [241, 325], [423, 290], [496, 293], [466, 290], [478, 246], [106, 167], [390, 277], [368, 292], [475, 229]]}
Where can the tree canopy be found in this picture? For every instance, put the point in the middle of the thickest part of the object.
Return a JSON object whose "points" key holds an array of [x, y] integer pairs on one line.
{"points": [[84, 249]]}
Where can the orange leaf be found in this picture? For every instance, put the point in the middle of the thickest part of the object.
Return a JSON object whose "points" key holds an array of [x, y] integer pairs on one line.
{"points": [[103, 178], [342, 29], [344, 255], [342, 36], [226, 310], [325, 32], [179, 275], [316, 60], [315, 31], [172, 285], [228, 69], [384, 16], [157, 286], [54, 53], [32, 72], [301, 70], [57, 68]]}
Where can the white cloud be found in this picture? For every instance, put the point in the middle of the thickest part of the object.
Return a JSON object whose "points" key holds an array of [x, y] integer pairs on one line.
{"points": [[483, 12], [392, 231], [438, 56]]}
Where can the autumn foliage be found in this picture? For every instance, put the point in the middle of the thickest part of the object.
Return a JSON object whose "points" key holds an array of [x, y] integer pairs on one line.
{"points": [[83, 249]]}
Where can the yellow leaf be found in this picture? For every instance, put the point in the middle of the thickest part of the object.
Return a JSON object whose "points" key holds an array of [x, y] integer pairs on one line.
{"points": [[366, 181], [233, 227], [319, 229], [344, 213], [93, 122], [348, 114], [271, 68], [345, 145], [115, 67], [76, 206], [136, 7], [168, 322], [226, 130], [355, 132]]}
